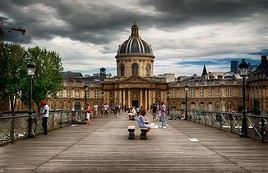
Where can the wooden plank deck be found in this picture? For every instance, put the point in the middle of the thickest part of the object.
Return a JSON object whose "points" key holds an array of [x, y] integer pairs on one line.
{"points": [[104, 147]]}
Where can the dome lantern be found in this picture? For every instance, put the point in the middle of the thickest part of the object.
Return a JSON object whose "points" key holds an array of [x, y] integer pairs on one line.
{"points": [[134, 30]]}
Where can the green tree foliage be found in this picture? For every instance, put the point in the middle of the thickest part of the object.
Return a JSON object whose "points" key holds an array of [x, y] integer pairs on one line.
{"points": [[48, 78], [12, 57]]}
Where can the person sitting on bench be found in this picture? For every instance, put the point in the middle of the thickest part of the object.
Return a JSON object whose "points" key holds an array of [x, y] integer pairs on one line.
{"points": [[141, 120], [132, 114]]}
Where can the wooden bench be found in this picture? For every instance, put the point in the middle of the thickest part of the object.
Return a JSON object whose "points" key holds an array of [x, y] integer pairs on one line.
{"points": [[143, 134], [131, 130]]}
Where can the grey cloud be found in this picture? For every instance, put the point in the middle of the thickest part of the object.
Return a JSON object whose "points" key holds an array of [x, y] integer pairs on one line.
{"points": [[90, 23], [99, 23], [207, 10]]}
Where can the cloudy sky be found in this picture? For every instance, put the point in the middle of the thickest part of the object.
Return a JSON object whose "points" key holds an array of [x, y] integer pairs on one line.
{"points": [[184, 34]]}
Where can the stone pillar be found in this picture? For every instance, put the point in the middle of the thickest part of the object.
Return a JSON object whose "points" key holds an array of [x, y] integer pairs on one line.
{"points": [[128, 97], [146, 100], [124, 97], [153, 96], [141, 104], [115, 96], [120, 97], [150, 97]]}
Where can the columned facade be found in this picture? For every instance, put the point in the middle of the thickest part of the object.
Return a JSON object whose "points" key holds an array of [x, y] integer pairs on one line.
{"points": [[134, 80], [135, 91]]}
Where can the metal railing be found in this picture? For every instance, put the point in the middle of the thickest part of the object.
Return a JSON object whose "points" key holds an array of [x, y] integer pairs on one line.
{"points": [[16, 127], [257, 125]]}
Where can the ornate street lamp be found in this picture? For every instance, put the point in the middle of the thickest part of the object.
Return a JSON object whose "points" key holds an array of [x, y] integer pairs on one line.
{"points": [[243, 66], [186, 88], [85, 104], [30, 71]]}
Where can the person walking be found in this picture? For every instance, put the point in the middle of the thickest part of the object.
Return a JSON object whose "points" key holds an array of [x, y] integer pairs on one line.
{"points": [[163, 111], [95, 110], [45, 115], [105, 109], [88, 113]]}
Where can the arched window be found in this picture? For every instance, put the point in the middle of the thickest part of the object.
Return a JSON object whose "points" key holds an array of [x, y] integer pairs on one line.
{"points": [[122, 70], [135, 69], [193, 106], [202, 106], [210, 106]]}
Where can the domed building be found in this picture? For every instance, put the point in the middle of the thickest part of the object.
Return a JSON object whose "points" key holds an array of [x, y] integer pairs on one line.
{"points": [[134, 84], [135, 50]]}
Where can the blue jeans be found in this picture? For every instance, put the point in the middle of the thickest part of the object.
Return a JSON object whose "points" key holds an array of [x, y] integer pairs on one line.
{"points": [[163, 121]]}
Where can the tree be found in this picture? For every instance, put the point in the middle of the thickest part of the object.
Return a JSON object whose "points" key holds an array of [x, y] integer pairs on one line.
{"points": [[48, 79], [14, 81], [11, 58]]}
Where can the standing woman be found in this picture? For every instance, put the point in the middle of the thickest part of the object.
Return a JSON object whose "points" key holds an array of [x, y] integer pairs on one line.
{"points": [[88, 112], [163, 118]]}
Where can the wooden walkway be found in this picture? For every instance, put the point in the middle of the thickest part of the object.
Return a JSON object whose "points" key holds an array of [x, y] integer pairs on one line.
{"points": [[104, 147]]}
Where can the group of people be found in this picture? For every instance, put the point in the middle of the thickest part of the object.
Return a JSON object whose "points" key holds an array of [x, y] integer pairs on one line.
{"points": [[133, 112], [159, 115]]}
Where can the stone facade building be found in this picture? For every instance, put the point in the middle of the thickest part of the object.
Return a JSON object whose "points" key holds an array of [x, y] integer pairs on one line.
{"points": [[258, 87], [220, 95], [134, 84]]}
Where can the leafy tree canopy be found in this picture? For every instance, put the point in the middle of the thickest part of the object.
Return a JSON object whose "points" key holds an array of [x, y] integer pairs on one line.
{"points": [[48, 78]]}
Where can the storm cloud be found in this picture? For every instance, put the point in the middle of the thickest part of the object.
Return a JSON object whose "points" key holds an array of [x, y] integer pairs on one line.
{"points": [[90, 31]]}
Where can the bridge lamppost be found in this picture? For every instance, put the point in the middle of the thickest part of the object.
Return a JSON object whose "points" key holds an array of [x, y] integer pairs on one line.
{"points": [[85, 104], [30, 71], [243, 66], [186, 88]]}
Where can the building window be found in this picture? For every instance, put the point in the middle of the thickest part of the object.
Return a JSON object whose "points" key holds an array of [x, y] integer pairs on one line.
{"points": [[172, 93], [68, 93], [96, 94], [219, 92], [182, 93], [135, 69], [122, 70], [229, 92], [201, 92], [202, 106], [77, 93], [148, 69], [210, 107], [210, 92], [192, 92], [193, 106]]}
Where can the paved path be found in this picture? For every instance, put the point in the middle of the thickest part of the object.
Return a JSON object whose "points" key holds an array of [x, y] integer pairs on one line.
{"points": [[104, 147]]}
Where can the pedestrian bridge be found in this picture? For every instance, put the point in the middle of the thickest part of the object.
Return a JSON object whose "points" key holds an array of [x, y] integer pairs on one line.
{"points": [[103, 146]]}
